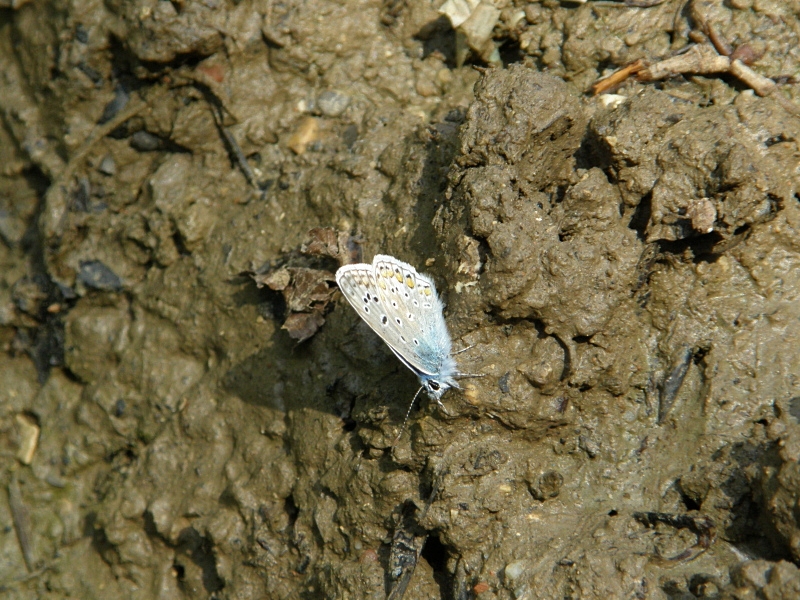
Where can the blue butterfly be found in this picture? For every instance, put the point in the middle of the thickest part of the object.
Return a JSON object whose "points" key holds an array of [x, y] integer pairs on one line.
{"points": [[402, 307]]}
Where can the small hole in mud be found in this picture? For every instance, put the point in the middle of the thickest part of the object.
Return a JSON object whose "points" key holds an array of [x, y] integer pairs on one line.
{"points": [[291, 510], [641, 216], [690, 503], [612, 513], [435, 553], [179, 571], [180, 245], [510, 53]]}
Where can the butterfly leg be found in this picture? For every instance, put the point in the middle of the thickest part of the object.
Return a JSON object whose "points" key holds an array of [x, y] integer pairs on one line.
{"points": [[463, 350], [444, 410]]}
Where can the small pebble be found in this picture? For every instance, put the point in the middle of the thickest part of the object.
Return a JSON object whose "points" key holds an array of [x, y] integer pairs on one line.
{"points": [[119, 408], [332, 103], [120, 101], [306, 133], [145, 142], [29, 438], [95, 275], [513, 570], [108, 166]]}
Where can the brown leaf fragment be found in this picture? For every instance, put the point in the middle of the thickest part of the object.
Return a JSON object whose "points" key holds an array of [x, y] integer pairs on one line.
{"points": [[322, 241], [276, 280], [326, 241], [349, 249], [309, 286], [302, 325]]}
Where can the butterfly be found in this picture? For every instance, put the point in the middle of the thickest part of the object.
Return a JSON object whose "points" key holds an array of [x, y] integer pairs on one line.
{"points": [[402, 307]]}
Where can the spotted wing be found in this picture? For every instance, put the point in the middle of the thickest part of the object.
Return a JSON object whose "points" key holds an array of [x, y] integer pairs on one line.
{"points": [[413, 315], [357, 283], [402, 307]]}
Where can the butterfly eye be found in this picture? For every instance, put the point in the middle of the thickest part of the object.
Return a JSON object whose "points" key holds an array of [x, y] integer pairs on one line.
{"points": [[434, 385]]}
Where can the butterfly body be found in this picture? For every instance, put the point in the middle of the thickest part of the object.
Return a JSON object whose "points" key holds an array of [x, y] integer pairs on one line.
{"points": [[403, 308]]}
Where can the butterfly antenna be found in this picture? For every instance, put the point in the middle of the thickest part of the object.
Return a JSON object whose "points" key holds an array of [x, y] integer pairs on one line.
{"points": [[408, 412]]}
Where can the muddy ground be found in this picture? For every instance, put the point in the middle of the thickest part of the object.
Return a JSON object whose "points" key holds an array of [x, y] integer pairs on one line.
{"points": [[191, 410]]}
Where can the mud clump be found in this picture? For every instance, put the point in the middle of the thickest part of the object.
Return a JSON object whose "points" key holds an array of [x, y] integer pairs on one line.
{"points": [[623, 272]]}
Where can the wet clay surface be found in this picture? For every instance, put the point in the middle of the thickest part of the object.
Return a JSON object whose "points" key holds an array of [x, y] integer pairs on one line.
{"points": [[189, 410]]}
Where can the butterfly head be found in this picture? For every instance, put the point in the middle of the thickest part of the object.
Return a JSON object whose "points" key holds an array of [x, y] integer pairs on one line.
{"points": [[437, 384]]}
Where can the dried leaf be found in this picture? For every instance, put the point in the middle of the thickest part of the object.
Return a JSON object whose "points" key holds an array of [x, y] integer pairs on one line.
{"points": [[308, 287], [302, 325], [322, 241], [276, 280]]}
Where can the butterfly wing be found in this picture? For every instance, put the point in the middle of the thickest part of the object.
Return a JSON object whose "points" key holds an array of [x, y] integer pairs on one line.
{"points": [[358, 285], [402, 307], [414, 315]]}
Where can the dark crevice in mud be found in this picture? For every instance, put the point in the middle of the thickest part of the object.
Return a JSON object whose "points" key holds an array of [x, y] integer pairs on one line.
{"points": [[199, 550], [641, 216], [122, 457], [557, 194], [689, 503], [47, 347], [704, 247], [190, 544], [100, 542], [349, 425], [180, 245], [291, 510], [436, 554], [510, 53], [438, 36], [126, 62], [47, 302], [593, 152]]}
